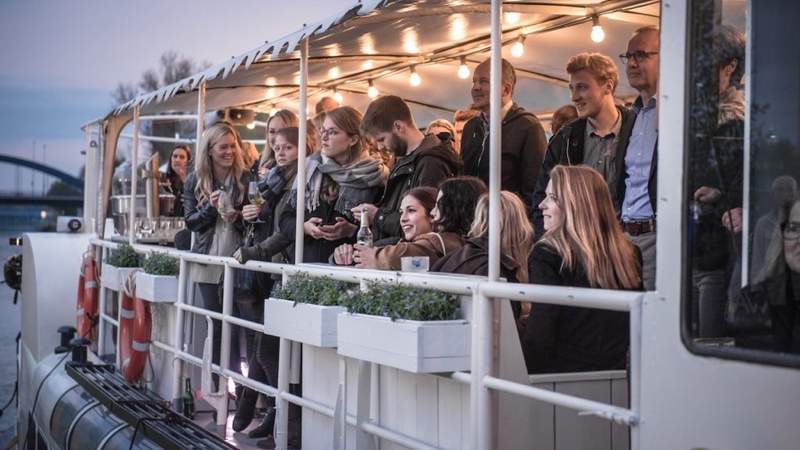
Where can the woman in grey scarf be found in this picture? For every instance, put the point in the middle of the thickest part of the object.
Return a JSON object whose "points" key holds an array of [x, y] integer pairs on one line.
{"points": [[338, 177]]}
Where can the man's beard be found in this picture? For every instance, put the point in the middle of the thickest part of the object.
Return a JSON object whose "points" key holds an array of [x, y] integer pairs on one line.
{"points": [[399, 147]]}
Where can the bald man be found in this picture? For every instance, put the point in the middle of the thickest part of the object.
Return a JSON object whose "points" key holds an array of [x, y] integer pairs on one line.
{"points": [[523, 138]]}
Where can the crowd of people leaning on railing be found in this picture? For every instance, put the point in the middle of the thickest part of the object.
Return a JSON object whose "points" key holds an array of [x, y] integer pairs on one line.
{"points": [[579, 210]]}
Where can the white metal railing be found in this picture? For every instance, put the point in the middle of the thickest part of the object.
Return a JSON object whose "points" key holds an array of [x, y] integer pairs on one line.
{"points": [[483, 383]]}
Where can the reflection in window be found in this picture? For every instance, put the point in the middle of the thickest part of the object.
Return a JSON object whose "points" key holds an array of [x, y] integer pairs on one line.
{"points": [[740, 227]]}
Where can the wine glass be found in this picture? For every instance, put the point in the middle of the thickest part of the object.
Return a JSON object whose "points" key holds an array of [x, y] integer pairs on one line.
{"points": [[254, 195]]}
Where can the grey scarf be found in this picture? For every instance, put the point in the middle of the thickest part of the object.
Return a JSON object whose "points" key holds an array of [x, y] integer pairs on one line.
{"points": [[355, 180]]}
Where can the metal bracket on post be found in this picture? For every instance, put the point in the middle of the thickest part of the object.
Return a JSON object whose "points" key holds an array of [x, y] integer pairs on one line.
{"points": [[217, 399], [340, 411], [364, 441]]}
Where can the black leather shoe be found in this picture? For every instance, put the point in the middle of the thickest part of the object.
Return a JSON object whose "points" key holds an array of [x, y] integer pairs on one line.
{"points": [[266, 427], [245, 410]]}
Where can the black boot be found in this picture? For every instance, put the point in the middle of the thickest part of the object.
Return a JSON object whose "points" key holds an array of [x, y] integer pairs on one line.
{"points": [[266, 427], [245, 409]]}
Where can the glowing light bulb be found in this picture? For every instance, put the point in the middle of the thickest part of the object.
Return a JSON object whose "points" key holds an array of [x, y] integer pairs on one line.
{"points": [[463, 70], [338, 97], [270, 92], [372, 92], [512, 17], [273, 111], [251, 126], [518, 49], [414, 80], [598, 34]]}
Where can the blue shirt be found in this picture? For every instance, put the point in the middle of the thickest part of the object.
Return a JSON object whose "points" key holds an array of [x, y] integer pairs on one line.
{"points": [[638, 160]]}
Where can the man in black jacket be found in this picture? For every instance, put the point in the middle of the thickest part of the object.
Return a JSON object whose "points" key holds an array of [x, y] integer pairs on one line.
{"points": [[422, 160], [523, 138], [597, 138]]}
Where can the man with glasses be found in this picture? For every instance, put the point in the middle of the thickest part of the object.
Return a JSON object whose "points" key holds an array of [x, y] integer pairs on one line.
{"points": [[638, 179], [598, 137]]}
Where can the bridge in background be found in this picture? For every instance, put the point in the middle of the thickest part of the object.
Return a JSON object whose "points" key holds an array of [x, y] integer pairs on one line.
{"points": [[52, 171]]}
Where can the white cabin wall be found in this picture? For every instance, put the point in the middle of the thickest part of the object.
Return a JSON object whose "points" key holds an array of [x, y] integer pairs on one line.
{"points": [[690, 401]]}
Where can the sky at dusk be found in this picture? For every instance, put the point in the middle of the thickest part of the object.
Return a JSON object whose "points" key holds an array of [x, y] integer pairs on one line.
{"points": [[61, 60]]}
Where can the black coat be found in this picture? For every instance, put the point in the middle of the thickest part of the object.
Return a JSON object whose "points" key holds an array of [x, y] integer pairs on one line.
{"points": [[523, 146], [566, 338], [431, 163], [473, 259], [201, 218], [567, 148], [320, 250], [717, 163], [274, 238]]}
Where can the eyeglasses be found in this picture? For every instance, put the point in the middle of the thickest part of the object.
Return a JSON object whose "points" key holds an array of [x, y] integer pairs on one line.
{"points": [[791, 232], [328, 132], [639, 56]]}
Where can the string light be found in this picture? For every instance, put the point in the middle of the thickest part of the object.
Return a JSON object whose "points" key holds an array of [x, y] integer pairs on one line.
{"points": [[414, 80], [463, 70], [338, 96], [273, 110], [251, 126], [512, 17], [598, 34], [372, 92], [518, 49]]}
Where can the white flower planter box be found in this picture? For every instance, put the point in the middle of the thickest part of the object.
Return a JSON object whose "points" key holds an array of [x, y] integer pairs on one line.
{"points": [[302, 322], [413, 346], [157, 288], [112, 277]]}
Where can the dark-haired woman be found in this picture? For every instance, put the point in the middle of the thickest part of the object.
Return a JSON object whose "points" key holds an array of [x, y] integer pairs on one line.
{"points": [[451, 215], [177, 170], [274, 241]]}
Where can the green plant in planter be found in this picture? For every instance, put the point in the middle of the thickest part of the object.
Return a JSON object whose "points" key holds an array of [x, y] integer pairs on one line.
{"points": [[307, 289], [160, 264], [124, 256], [400, 301]]}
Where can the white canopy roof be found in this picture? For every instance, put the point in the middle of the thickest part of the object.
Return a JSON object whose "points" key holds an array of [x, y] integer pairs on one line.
{"points": [[380, 40]]}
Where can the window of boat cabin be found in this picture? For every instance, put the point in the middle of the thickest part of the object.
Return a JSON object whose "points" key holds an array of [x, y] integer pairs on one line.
{"points": [[742, 209]]}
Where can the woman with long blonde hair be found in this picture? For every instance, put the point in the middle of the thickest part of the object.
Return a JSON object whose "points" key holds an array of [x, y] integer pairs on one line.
{"points": [[583, 246], [516, 237], [212, 201]]}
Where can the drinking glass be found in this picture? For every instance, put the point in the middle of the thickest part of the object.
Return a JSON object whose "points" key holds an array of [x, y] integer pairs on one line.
{"points": [[254, 195]]}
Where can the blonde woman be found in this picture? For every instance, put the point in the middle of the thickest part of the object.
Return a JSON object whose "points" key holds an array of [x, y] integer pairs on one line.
{"points": [[443, 129], [583, 246], [213, 196], [516, 238]]}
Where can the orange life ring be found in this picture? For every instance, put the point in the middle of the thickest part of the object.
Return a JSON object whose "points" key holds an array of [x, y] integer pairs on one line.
{"points": [[135, 324], [87, 299]]}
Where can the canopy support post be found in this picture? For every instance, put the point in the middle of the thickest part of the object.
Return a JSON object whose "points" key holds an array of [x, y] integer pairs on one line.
{"points": [[134, 176], [482, 399]]}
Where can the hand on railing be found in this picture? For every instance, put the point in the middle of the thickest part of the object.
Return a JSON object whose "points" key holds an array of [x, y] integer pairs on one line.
{"points": [[343, 255]]}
